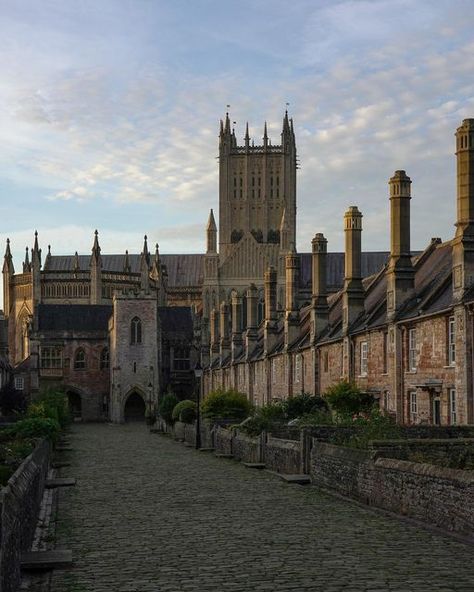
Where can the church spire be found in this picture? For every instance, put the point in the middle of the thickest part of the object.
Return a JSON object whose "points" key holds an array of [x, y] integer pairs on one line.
{"points": [[211, 232], [227, 124], [96, 247], [145, 252], [26, 262], [285, 245], [247, 137], [76, 266], [8, 260], [126, 264], [265, 135], [36, 254]]}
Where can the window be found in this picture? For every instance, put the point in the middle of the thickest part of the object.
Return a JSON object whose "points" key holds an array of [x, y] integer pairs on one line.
{"points": [[274, 371], [412, 350], [298, 367], [104, 358], [135, 331], [452, 406], [181, 358], [451, 341], [386, 400], [19, 383], [363, 358], [51, 357], [80, 360], [413, 405], [326, 361]]}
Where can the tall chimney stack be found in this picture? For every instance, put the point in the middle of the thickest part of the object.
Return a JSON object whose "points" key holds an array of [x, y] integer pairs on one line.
{"points": [[400, 272], [319, 300], [292, 317], [353, 297], [271, 323], [236, 348], [224, 331], [251, 335]]}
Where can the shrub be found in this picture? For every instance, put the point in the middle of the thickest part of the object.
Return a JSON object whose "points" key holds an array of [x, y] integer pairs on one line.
{"points": [[36, 427], [345, 398], [229, 404], [11, 400], [52, 404], [184, 411], [373, 426], [303, 404], [263, 418], [315, 418], [166, 406]]}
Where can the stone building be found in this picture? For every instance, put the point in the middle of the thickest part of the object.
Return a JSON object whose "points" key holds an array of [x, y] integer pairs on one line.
{"points": [[404, 333]]}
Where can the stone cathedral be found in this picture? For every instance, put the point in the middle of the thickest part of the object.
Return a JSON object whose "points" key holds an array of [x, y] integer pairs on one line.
{"points": [[117, 330]]}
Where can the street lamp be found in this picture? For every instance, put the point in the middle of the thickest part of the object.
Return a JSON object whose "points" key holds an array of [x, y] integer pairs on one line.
{"points": [[198, 376]]}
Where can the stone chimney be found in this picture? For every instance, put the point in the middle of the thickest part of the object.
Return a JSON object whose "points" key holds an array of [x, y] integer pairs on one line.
{"points": [[400, 272], [236, 347], [251, 335], [215, 341], [463, 243], [292, 316], [224, 331], [319, 300], [271, 323], [353, 296]]}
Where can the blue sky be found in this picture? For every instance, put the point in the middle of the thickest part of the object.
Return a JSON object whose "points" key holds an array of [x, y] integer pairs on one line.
{"points": [[109, 113]]}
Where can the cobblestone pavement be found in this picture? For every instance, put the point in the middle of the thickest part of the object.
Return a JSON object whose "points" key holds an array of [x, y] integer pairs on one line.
{"points": [[148, 514]]}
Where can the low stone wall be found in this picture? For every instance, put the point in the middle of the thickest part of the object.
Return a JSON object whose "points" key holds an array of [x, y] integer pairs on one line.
{"points": [[437, 432], [20, 502], [451, 453], [247, 449], [283, 456], [440, 496], [223, 440], [179, 431]]}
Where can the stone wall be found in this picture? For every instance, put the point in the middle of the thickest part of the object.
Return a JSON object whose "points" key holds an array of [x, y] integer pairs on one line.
{"points": [[453, 453], [19, 507], [283, 456], [247, 449], [439, 496], [223, 440]]}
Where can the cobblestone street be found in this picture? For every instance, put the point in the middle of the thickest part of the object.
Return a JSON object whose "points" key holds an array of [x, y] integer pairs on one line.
{"points": [[148, 514]]}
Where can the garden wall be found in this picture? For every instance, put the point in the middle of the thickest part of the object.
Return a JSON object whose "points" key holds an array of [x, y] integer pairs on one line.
{"points": [[452, 453], [20, 502], [439, 496]]}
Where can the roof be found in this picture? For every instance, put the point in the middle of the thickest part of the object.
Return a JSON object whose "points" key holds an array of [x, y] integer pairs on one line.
{"points": [[77, 317], [188, 269], [183, 270], [176, 319]]}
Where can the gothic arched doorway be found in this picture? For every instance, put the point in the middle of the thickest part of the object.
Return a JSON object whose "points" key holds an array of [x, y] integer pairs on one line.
{"points": [[134, 409], [75, 405]]}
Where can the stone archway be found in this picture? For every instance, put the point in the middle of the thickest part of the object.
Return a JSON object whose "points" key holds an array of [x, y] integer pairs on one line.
{"points": [[75, 405], [134, 408]]}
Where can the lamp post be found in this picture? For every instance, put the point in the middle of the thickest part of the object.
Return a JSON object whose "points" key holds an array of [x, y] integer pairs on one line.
{"points": [[198, 376]]}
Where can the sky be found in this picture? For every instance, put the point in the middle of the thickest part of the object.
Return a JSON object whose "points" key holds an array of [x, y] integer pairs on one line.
{"points": [[109, 113]]}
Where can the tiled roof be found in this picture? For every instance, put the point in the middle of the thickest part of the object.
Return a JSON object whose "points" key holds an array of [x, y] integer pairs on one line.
{"points": [[77, 317]]}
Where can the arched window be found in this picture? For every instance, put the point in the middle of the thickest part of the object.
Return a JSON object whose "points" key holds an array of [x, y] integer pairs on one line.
{"points": [[136, 331], [181, 358], [104, 358], [80, 359]]}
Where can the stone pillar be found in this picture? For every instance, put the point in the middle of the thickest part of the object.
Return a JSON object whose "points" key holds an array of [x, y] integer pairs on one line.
{"points": [[271, 324], [292, 317], [236, 348], [215, 342], [400, 272], [224, 331], [251, 335], [319, 301]]}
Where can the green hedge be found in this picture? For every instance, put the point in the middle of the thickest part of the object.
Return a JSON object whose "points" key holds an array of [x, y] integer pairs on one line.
{"points": [[226, 404]]}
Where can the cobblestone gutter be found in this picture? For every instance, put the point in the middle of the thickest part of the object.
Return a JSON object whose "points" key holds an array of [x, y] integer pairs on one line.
{"points": [[20, 503]]}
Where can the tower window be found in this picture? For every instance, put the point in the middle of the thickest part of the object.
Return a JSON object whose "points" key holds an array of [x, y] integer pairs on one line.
{"points": [[278, 181], [104, 358], [136, 331], [80, 359], [253, 181]]}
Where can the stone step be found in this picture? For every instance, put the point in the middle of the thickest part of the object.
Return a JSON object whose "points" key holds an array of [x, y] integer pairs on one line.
{"points": [[251, 465], [223, 455], [298, 479], [60, 465], [206, 449], [44, 560], [63, 449], [60, 482]]}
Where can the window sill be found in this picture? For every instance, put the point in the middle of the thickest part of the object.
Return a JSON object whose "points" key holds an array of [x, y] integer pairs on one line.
{"points": [[410, 371], [452, 366]]}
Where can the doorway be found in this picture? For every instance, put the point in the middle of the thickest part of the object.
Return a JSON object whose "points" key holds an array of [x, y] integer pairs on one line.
{"points": [[134, 409]]}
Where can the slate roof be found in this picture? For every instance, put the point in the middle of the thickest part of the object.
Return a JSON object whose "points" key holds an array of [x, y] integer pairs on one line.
{"points": [[187, 269], [77, 317], [176, 319]]}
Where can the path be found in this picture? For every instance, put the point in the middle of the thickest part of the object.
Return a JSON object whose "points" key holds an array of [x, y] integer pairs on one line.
{"points": [[148, 514]]}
